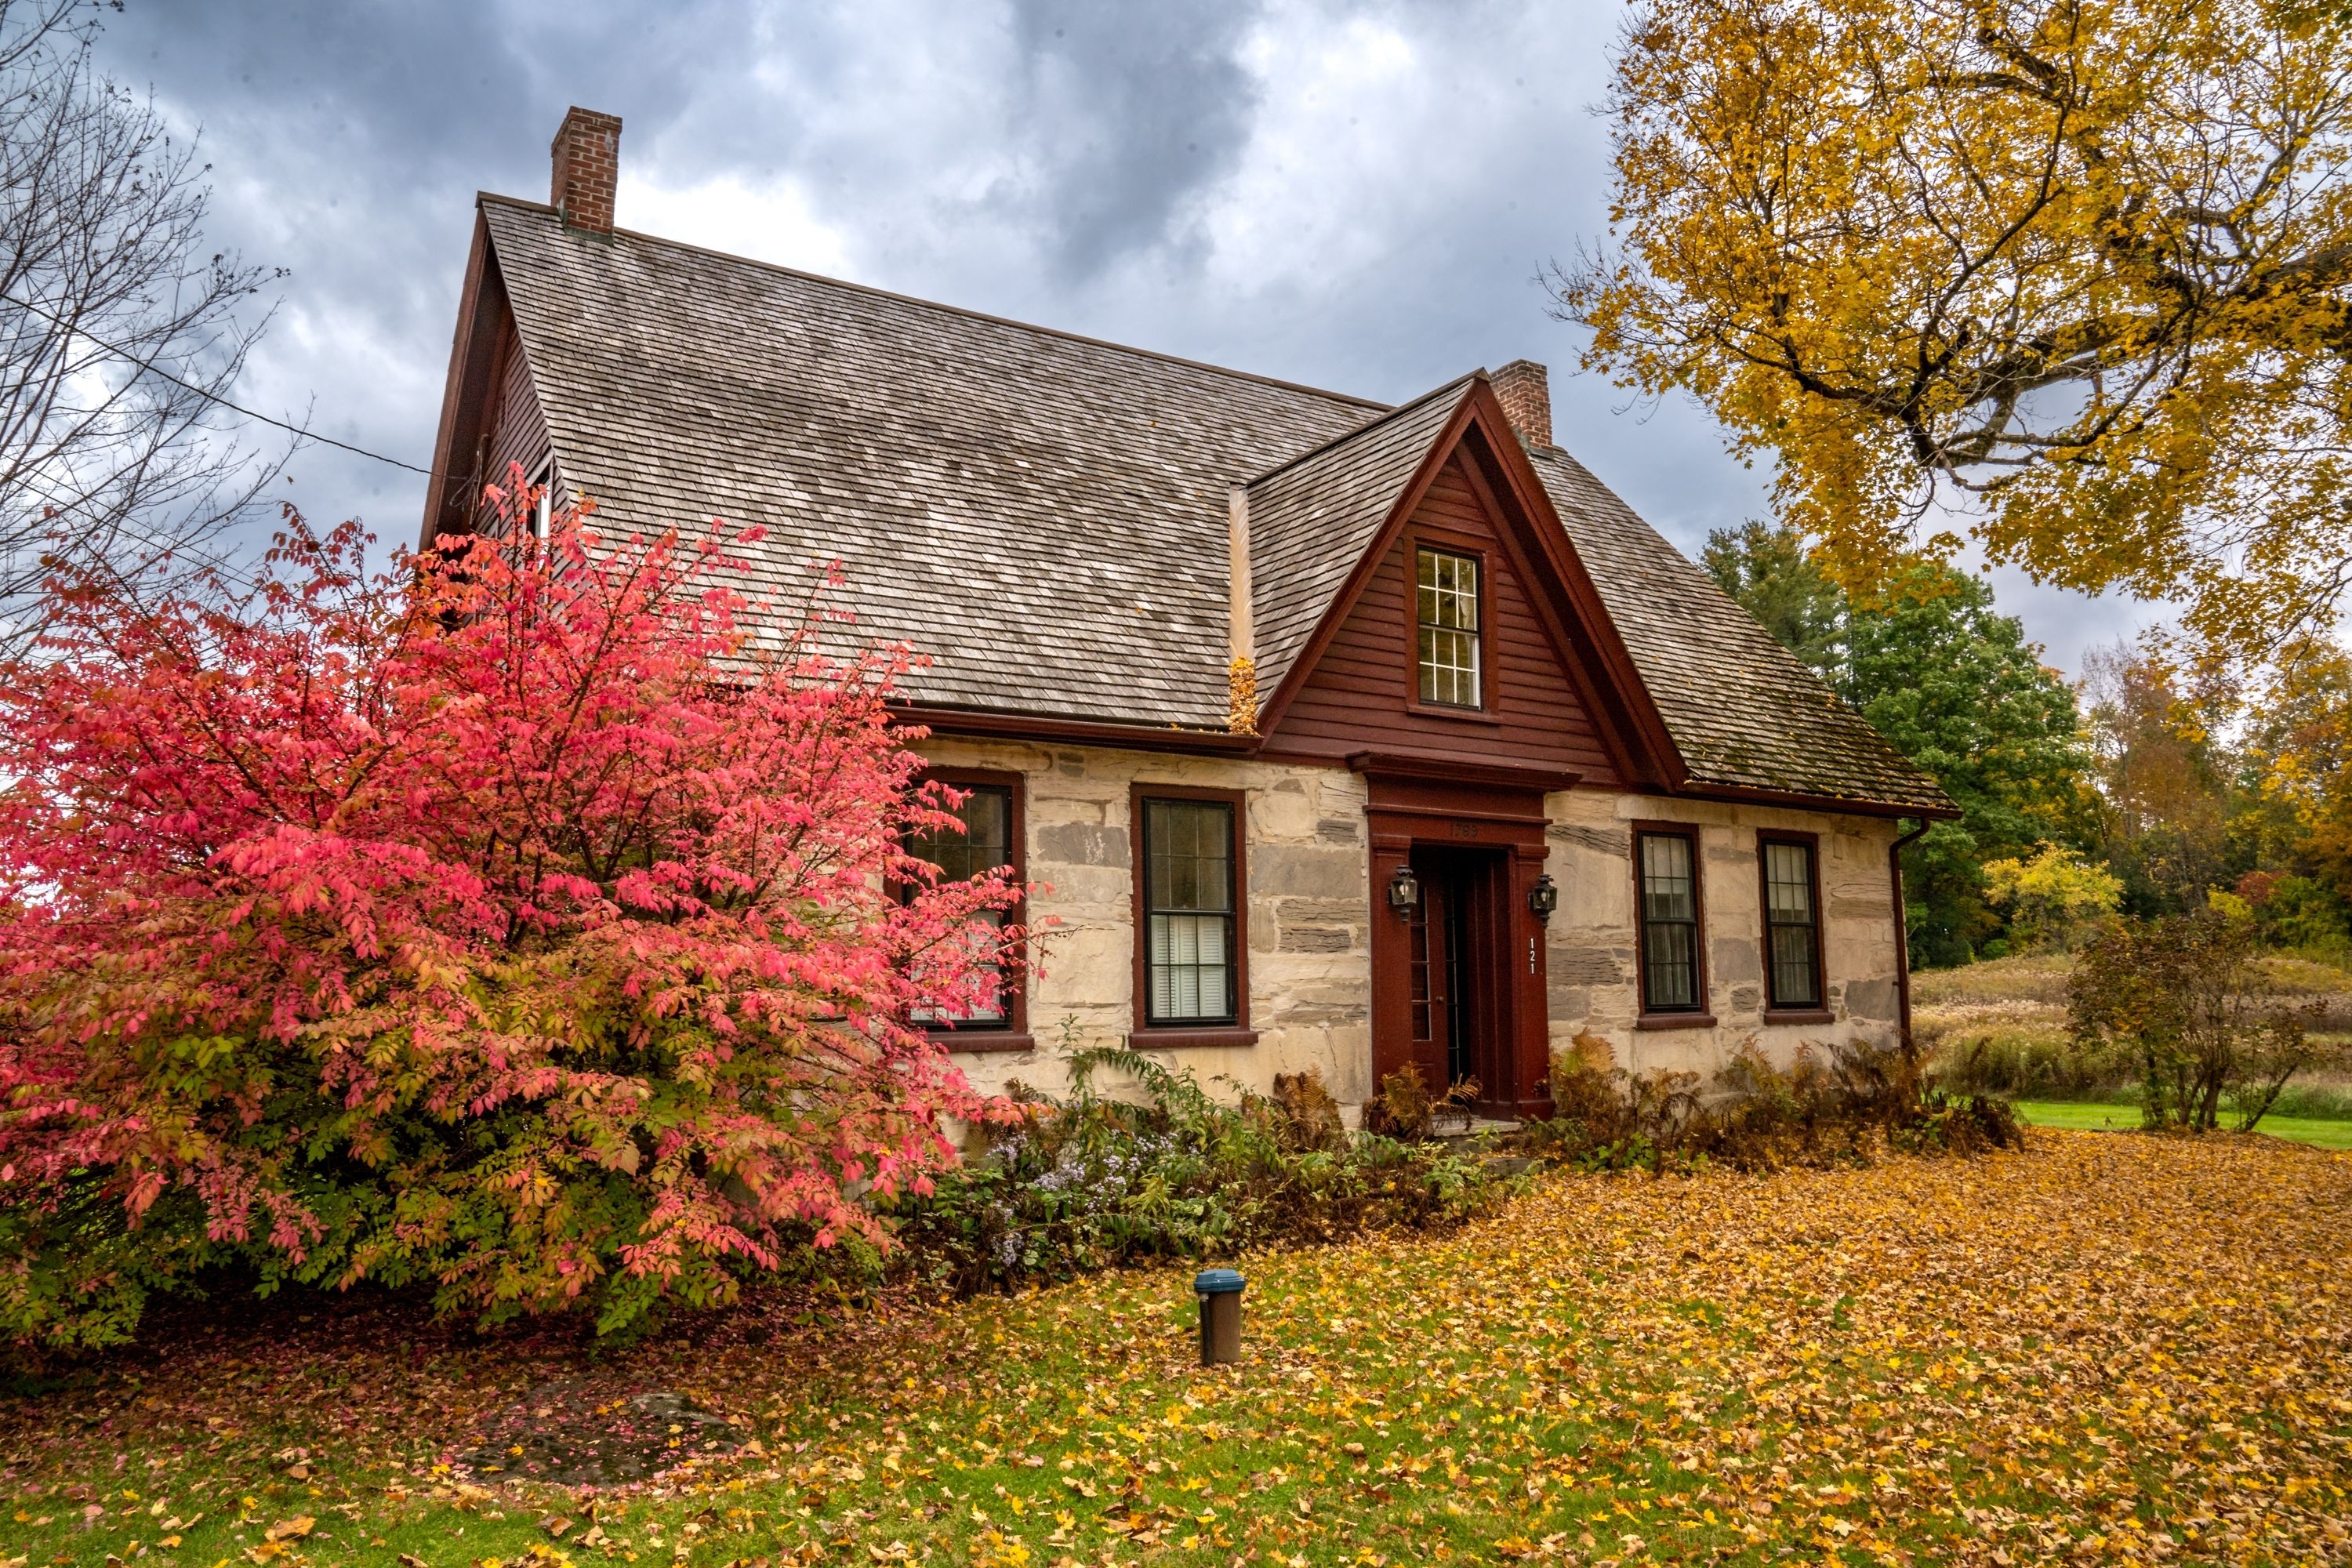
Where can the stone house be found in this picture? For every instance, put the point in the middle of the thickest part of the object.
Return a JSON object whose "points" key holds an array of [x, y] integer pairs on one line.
{"points": [[1343, 736]]}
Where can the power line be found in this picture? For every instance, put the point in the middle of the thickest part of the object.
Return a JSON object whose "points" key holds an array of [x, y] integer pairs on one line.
{"points": [[151, 368], [158, 547]]}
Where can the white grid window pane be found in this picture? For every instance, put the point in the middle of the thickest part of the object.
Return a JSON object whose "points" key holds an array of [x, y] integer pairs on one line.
{"points": [[1187, 857], [1447, 612], [1188, 967], [1789, 882], [1794, 928]]}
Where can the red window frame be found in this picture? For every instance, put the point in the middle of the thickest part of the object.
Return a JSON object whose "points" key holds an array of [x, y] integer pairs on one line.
{"points": [[1144, 1033], [1010, 1032], [1695, 1016], [1817, 1011], [1481, 554]]}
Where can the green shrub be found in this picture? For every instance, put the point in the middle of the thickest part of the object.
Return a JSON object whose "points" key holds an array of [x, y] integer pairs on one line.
{"points": [[1091, 1181], [2182, 1000]]}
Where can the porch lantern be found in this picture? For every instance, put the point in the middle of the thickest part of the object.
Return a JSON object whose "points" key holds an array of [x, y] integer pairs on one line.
{"points": [[1405, 890], [1543, 896]]}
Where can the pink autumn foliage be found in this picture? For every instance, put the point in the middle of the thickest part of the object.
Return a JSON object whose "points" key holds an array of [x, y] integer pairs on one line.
{"points": [[528, 921]]}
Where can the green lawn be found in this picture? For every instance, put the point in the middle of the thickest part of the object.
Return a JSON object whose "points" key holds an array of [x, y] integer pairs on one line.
{"points": [[2294, 1129], [2070, 1352]]}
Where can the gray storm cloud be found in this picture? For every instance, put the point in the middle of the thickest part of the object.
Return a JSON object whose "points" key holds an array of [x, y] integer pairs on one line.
{"points": [[1353, 196]]}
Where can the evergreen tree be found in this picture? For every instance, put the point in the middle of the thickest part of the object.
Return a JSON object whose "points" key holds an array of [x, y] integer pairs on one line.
{"points": [[1958, 689], [1772, 575]]}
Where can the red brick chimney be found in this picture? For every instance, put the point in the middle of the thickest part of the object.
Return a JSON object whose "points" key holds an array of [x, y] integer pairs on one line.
{"points": [[1524, 388], [587, 153]]}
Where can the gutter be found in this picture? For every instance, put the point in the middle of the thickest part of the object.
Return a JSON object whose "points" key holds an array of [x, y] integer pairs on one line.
{"points": [[1901, 929], [995, 723]]}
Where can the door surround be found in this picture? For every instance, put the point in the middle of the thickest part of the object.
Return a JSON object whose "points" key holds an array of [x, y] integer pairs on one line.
{"points": [[1442, 803]]}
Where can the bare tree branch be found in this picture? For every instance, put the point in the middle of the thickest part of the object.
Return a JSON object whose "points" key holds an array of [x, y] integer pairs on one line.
{"points": [[122, 332]]}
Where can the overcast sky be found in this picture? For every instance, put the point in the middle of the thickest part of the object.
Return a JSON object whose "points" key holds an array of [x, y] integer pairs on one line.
{"points": [[1358, 196]]}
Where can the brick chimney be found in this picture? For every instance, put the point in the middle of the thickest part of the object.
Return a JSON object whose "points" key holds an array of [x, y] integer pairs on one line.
{"points": [[1524, 389], [587, 155]]}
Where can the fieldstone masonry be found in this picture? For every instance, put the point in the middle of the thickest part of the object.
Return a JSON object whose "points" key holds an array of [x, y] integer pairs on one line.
{"points": [[1310, 905], [1590, 961], [1310, 911]]}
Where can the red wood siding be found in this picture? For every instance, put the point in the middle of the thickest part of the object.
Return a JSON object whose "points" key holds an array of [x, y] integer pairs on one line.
{"points": [[1358, 697]]}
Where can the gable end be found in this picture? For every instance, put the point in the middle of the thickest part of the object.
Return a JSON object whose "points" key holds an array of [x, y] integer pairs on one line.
{"points": [[1556, 695], [491, 415]]}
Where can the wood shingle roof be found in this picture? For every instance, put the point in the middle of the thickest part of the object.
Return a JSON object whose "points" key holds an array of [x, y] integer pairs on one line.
{"points": [[1312, 520], [1045, 516], [1742, 710]]}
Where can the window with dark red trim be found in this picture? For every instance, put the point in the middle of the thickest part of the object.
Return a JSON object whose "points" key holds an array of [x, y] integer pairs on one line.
{"points": [[1792, 922], [1666, 891], [1447, 614], [1191, 916], [990, 840], [1191, 913]]}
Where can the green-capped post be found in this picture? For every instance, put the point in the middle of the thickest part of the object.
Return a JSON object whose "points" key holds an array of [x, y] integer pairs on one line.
{"points": [[1219, 1291]]}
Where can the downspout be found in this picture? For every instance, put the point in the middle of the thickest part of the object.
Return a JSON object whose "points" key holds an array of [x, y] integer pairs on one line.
{"points": [[1241, 600], [1902, 929]]}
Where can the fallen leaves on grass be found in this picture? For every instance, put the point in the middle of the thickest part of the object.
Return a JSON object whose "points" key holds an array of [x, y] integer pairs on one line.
{"points": [[571, 1431], [2130, 1348]]}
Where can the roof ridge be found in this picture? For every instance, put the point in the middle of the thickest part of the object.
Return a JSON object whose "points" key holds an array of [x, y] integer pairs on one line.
{"points": [[868, 289], [1345, 437]]}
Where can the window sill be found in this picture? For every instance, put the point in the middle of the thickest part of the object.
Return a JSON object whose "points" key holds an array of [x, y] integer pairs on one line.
{"points": [[1798, 1015], [1166, 1036], [1674, 1021], [977, 1042], [1458, 715]]}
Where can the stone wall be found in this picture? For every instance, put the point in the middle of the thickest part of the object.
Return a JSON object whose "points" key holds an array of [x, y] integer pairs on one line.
{"points": [[1590, 958], [1308, 922], [1310, 905]]}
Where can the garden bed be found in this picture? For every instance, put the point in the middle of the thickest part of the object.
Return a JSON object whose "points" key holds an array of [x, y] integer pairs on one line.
{"points": [[2133, 1345]]}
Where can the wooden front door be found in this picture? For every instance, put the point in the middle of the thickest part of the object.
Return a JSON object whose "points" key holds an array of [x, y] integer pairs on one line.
{"points": [[1457, 956], [1458, 979], [1430, 959]]}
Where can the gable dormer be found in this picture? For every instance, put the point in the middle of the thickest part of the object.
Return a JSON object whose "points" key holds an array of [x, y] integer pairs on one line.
{"points": [[1414, 597]]}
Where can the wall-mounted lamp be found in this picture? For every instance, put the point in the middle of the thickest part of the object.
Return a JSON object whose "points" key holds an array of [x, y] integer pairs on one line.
{"points": [[1543, 896], [1405, 890]]}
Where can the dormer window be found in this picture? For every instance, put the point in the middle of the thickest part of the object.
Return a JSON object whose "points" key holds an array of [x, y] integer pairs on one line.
{"points": [[1448, 616]]}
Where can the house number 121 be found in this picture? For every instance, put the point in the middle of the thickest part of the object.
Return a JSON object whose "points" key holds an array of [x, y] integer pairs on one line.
{"points": [[1532, 955]]}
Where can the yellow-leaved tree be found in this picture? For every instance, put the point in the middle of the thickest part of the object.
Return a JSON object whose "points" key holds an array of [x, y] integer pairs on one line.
{"points": [[2301, 741], [2089, 263], [2055, 899]]}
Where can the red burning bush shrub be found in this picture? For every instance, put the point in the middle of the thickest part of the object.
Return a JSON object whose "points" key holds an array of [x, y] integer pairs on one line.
{"points": [[528, 921]]}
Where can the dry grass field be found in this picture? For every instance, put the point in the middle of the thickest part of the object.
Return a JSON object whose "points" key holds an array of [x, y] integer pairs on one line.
{"points": [[2015, 1010]]}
